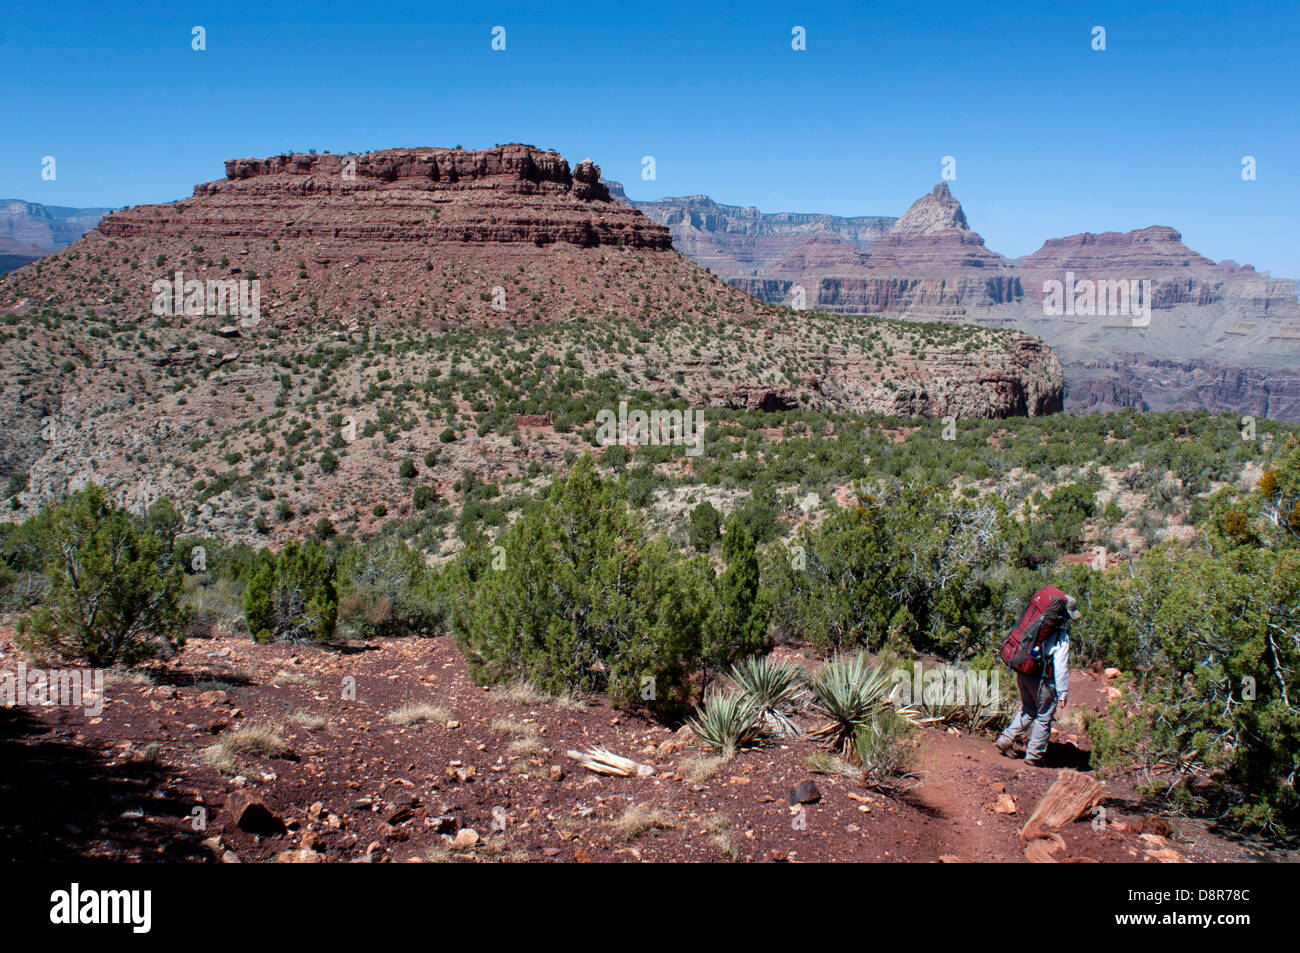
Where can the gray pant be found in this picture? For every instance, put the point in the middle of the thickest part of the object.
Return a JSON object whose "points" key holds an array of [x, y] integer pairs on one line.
{"points": [[1037, 709]]}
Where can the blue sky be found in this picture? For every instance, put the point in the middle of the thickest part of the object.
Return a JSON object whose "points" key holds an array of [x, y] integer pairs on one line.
{"points": [[1050, 137]]}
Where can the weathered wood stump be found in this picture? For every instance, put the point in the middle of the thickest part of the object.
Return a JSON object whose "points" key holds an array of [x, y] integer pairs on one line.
{"points": [[1071, 796]]}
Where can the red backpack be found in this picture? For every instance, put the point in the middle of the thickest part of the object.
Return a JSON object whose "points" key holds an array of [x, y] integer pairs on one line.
{"points": [[1022, 649]]}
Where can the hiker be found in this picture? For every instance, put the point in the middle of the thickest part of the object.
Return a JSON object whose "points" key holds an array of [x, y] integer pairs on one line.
{"points": [[1042, 670]]}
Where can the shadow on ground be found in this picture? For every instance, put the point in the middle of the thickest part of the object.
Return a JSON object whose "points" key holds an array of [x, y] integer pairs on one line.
{"points": [[61, 801], [1067, 756]]}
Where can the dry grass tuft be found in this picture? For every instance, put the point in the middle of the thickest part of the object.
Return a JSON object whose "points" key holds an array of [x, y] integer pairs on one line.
{"points": [[523, 692], [129, 676], [516, 729], [308, 719], [823, 762], [415, 713], [718, 827], [220, 759], [525, 746], [697, 769], [257, 741], [637, 820], [293, 678], [524, 736], [519, 692]]}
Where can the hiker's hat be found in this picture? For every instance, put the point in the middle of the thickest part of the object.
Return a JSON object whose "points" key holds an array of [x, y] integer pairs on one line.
{"points": [[1072, 607]]}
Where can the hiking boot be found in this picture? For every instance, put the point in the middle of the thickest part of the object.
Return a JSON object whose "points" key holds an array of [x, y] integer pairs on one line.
{"points": [[1005, 748], [1034, 762]]}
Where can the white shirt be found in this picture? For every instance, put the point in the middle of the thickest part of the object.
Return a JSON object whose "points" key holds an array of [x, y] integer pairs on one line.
{"points": [[1058, 648]]}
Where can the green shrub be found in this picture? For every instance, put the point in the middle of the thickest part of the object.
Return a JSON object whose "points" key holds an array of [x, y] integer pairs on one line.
{"points": [[423, 497], [23, 551], [704, 526], [164, 521], [1208, 632], [1058, 525], [738, 624], [909, 565], [1217, 665], [385, 590], [576, 599], [759, 513], [291, 595], [114, 590]]}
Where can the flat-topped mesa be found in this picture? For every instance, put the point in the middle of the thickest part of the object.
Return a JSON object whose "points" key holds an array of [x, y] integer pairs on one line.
{"points": [[510, 193], [1179, 275], [445, 237], [522, 168], [1155, 247]]}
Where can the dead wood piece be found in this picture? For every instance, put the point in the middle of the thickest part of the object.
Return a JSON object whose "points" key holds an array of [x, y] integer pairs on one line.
{"points": [[1040, 849], [1071, 796], [603, 761]]}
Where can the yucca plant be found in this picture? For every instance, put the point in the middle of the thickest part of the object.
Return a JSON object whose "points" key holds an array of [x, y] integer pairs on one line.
{"points": [[777, 688], [847, 692], [981, 713], [727, 723]]}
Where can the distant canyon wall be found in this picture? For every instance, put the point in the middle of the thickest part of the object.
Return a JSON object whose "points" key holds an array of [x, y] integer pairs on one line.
{"points": [[1218, 336]]}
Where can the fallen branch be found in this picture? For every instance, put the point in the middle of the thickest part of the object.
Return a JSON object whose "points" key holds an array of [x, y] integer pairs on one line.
{"points": [[603, 761]]}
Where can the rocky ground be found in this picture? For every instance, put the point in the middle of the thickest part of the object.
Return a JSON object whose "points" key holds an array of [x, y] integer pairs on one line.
{"points": [[485, 776]]}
